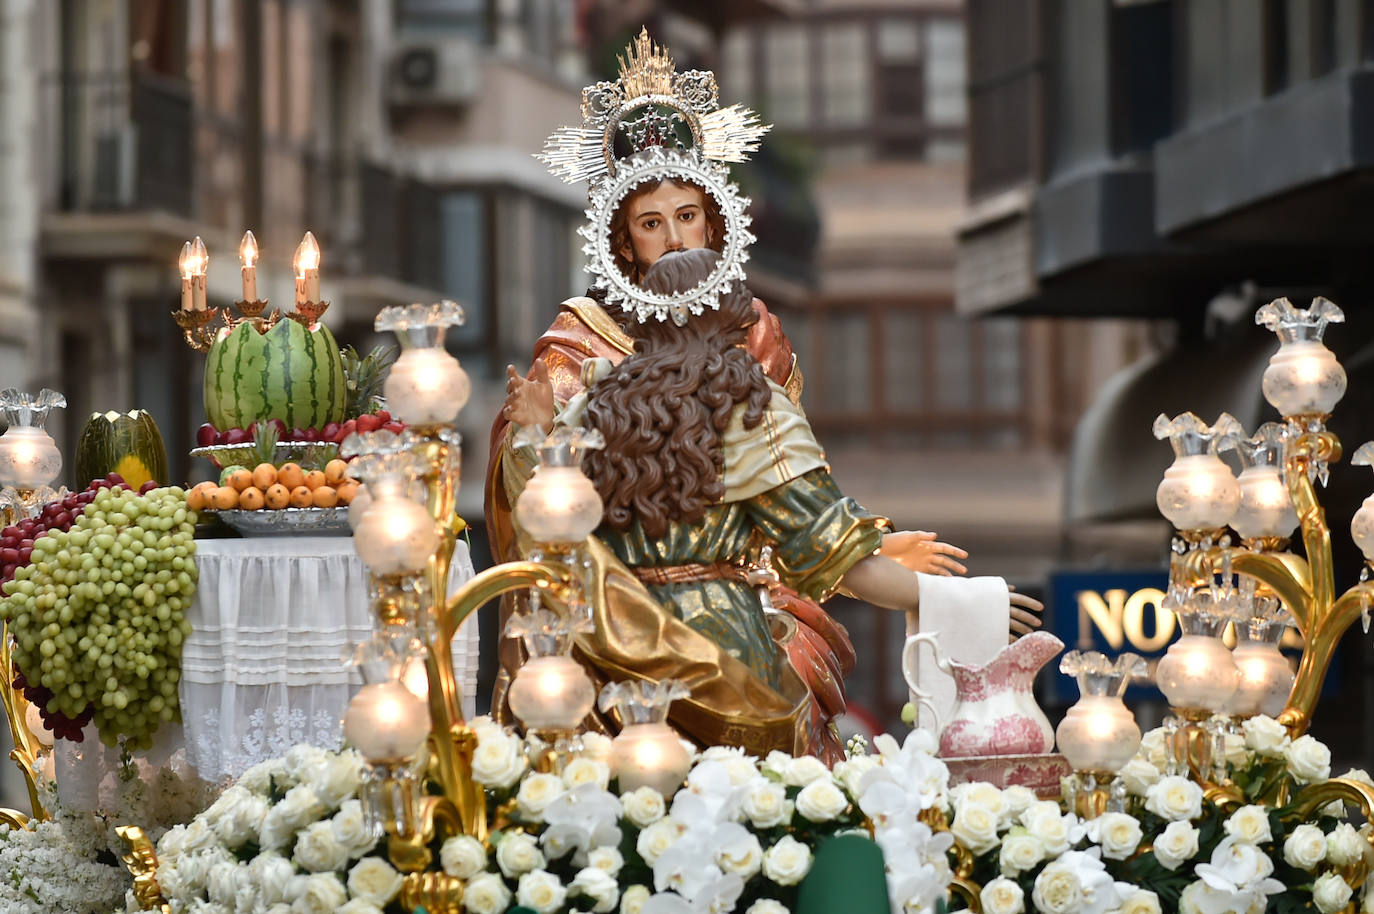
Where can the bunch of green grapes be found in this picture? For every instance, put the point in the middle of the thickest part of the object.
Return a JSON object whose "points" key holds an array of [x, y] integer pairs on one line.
{"points": [[98, 615]]}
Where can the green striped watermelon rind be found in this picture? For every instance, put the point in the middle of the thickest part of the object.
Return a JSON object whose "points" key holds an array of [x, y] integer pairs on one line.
{"points": [[288, 373]]}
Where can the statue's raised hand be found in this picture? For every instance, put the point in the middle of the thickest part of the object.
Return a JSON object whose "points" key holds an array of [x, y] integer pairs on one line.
{"points": [[529, 401], [918, 550], [1025, 614]]}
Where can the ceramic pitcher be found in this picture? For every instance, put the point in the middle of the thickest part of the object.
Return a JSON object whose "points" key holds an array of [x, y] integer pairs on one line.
{"points": [[995, 712]]}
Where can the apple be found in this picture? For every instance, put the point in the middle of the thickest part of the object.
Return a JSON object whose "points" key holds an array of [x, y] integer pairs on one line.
{"points": [[206, 435], [238, 436]]}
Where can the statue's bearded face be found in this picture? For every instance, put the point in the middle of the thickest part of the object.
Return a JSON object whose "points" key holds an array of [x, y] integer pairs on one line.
{"points": [[669, 217]]}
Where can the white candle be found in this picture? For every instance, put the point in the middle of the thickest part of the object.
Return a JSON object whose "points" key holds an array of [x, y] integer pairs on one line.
{"points": [[307, 263], [248, 254], [184, 265], [200, 262]]}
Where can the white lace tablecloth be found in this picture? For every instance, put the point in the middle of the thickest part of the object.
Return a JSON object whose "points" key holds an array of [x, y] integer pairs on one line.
{"points": [[263, 668]]}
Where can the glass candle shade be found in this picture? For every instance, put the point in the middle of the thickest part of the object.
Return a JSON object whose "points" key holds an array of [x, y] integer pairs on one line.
{"points": [[551, 693], [386, 722], [650, 755], [1099, 734], [1362, 524], [1198, 673], [1264, 678], [559, 503], [1198, 491], [1265, 507], [1303, 377], [426, 386], [396, 535], [29, 458]]}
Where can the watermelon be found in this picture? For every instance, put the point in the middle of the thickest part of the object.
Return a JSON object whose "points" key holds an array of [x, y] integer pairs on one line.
{"points": [[288, 373], [125, 443]]}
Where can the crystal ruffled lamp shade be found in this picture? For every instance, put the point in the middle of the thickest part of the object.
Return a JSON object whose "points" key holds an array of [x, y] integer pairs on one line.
{"points": [[426, 386], [1099, 734], [1198, 673], [29, 458], [1266, 508], [647, 752], [1303, 377], [1198, 491], [551, 691], [1264, 678], [559, 503]]}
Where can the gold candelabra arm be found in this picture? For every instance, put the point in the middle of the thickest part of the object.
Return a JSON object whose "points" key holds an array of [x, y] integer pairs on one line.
{"points": [[141, 861], [410, 851], [197, 327], [1311, 448], [1287, 575], [1322, 637], [26, 747]]}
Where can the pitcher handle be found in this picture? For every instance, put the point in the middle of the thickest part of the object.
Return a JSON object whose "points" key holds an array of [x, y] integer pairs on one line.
{"points": [[910, 651]]}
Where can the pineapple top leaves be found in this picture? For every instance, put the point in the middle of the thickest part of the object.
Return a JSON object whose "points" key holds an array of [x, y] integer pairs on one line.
{"points": [[264, 443], [364, 377]]}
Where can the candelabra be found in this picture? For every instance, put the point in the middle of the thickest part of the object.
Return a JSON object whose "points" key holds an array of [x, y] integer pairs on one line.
{"points": [[29, 459], [1282, 465]]}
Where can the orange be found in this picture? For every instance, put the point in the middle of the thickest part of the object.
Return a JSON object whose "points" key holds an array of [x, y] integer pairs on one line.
{"points": [[264, 474], [277, 495], [335, 471], [314, 479], [239, 479], [291, 475], [224, 498], [301, 498], [251, 499], [195, 499], [325, 497], [346, 490]]}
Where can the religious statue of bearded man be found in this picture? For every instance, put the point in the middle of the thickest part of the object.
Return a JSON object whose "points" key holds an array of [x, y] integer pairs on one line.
{"points": [[664, 212]]}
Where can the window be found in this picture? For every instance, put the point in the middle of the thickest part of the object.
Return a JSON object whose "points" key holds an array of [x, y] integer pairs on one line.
{"points": [[899, 41], [1001, 364], [944, 73], [845, 74], [953, 363], [787, 64], [465, 260], [463, 17], [903, 388], [847, 369]]}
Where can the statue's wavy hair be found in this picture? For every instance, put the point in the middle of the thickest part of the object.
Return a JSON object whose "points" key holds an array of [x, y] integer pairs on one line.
{"points": [[664, 408]]}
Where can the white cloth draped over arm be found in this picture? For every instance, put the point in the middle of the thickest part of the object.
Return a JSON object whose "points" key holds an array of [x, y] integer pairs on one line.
{"points": [[970, 617]]}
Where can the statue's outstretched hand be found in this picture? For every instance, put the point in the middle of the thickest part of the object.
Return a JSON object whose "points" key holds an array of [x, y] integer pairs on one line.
{"points": [[529, 401], [1025, 614], [918, 550]]}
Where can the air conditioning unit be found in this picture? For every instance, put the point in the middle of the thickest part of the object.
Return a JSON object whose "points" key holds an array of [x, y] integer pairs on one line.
{"points": [[434, 72]]}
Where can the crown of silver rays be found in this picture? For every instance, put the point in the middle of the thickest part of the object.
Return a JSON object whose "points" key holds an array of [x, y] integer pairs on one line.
{"points": [[647, 83]]}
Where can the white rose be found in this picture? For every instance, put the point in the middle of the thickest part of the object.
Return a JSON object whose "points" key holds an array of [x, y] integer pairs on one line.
{"points": [[1250, 824], [360, 906], [1265, 735], [581, 771], [787, 862], [518, 853], [483, 727], [374, 879], [1058, 890], [350, 829], [302, 761], [980, 793], [743, 856], [1117, 833], [775, 763], [276, 909], [644, 806], [1046, 822], [975, 827], [1018, 799], [1176, 844], [851, 771], [1237, 755], [536, 792], [1330, 893], [599, 886], [498, 760], [198, 836], [596, 746], [821, 800], [258, 779], [172, 843], [657, 838], [766, 804], [1154, 748], [606, 859], [1344, 845], [485, 893], [241, 819], [272, 872], [1308, 759], [1019, 853], [337, 778], [1174, 798], [767, 906], [1193, 893], [1139, 775], [221, 886], [1142, 902], [1305, 847], [1003, 896], [276, 833], [462, 857], [299, 807], [541, 891], [632, 899], [318, 851], [802, 771], [321, 893]]}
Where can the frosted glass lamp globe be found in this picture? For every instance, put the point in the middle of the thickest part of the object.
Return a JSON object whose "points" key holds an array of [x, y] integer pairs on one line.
{"points": [[386, 722], [1303, 378], [396, 535], [551, 693], [1198, 491], [426, 387], [1265, 508]]}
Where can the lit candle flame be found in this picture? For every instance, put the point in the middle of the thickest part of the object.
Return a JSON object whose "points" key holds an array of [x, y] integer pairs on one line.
{"points": [[248, 249], [184, 261], [307, 255], [200, 258]]}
